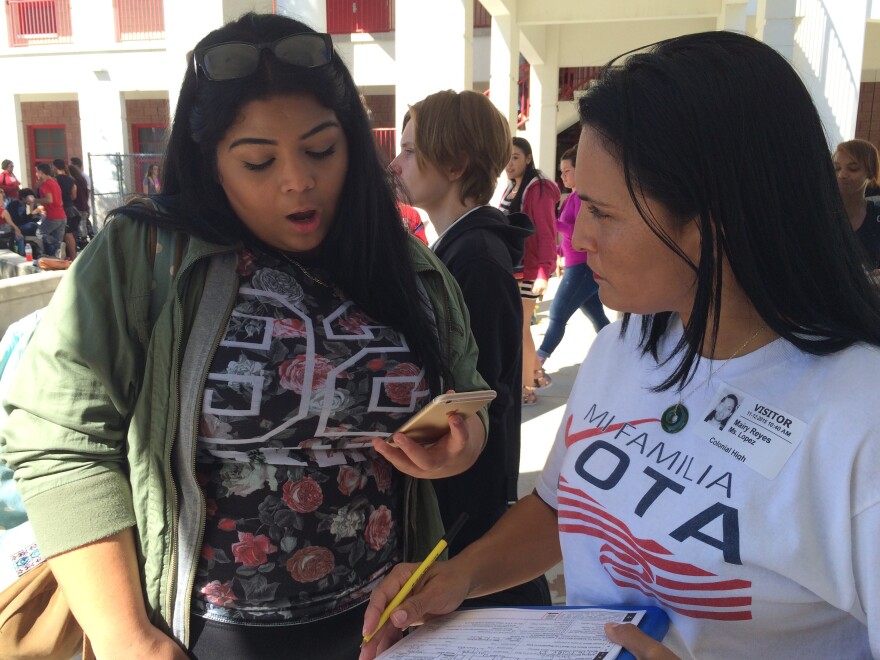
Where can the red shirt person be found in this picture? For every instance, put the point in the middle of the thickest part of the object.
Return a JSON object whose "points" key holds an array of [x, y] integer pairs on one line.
{"points": [[49, 193], [413, 221], [9, 183]]}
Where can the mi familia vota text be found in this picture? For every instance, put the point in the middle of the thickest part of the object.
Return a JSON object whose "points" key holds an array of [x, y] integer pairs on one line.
{"points": [[604, 462]]}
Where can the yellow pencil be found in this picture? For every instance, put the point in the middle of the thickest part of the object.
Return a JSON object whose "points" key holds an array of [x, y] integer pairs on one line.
{"points": [[430, 559]]}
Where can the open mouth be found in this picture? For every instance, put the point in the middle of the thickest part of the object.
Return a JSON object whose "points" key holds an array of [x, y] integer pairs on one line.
{"points": [[302, 216]]}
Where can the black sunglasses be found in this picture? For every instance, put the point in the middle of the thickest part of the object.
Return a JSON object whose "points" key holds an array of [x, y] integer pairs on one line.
{"points": [[239, 59]]}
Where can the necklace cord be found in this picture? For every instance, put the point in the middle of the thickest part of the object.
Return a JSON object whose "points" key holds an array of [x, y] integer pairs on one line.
{"points": [[724, 364], [676, 416], [314, 278]]}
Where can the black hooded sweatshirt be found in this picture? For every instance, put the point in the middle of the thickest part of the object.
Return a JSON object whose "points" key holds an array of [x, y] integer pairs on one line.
{"points": [[480, 251]]}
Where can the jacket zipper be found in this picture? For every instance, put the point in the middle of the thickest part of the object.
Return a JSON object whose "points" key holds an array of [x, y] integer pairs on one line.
{"points": [[171, 589], [201, 535]]}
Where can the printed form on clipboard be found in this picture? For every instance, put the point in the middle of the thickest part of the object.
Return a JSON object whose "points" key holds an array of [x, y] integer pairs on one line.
{"points": [[563, 633]]}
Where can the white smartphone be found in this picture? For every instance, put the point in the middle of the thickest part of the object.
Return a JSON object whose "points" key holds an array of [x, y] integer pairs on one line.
{"points": [[431, 423]]}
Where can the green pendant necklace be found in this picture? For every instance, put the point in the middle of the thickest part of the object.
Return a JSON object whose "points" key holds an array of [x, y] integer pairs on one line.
{"points": [[676, 416]]}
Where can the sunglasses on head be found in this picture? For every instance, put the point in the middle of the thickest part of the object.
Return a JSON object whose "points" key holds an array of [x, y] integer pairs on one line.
{"points": [[239, 59]]}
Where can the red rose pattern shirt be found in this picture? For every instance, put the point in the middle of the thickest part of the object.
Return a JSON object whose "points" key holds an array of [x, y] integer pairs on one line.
{"points": [[303, 516]]}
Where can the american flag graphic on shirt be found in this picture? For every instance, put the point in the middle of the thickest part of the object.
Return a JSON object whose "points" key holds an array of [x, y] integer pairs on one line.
{"points": [[644, 564]]}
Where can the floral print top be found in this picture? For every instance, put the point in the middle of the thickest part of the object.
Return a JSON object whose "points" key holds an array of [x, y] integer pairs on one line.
{"points": [[303, 516]]}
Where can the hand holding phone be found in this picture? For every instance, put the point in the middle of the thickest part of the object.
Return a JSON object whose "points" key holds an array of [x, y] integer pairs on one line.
{"points": [[431, 422]]}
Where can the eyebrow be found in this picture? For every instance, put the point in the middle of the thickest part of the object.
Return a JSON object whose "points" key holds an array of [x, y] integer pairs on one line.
{"points": [[309, 133], [586, 198], [250, 140], [330, 123]]}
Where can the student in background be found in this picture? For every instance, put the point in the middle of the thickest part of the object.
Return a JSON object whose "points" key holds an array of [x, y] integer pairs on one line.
{"points": [[453, 147], [69, 193], [25, 213], [50, 197], [858, 166], [412, 221], [9, 183], [7, 220], [76, 160], [152, 182], [578, 288], [532, 193], [81, 202]]}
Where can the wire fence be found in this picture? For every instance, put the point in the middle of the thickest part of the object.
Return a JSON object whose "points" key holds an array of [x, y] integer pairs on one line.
{"points": [[116, 179]]}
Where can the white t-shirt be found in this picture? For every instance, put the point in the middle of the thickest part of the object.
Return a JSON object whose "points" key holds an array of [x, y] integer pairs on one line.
{"points": [[758, 534]]}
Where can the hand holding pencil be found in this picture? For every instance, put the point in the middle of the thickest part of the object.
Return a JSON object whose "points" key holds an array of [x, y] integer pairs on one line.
{"points": [[393, 591]]}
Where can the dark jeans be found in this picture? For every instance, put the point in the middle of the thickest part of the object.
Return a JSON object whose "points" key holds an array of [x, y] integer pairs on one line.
{"points": [[29, 228], [53, 230], [577, 289], [334, 638]]}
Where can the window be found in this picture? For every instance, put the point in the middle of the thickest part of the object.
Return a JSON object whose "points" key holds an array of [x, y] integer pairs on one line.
{"points": [[348, 16], [38, 22], [139, 19], [148, 138], [46, 143]]}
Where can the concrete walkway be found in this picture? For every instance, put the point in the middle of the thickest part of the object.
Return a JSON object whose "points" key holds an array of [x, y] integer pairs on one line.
{"points": [[541, 421]]}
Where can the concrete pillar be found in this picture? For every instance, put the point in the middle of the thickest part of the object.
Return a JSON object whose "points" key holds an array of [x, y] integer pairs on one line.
{"points": [[433, 50], [102, 117], [544, 97], [310, 12], [14, 142], [504, 66], [185, 25], [733, 16], [825, 43], [104, 132], [232, 9]]}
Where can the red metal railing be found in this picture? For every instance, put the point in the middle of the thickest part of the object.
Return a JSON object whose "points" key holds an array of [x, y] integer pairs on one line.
{"points": [[385, 143], [572, 79], [38, 22], [523, 103], [139, 19], [349, 16], [482, 18]]}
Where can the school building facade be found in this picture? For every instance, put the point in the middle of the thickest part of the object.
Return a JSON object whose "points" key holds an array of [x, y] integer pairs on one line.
{"points": [[101, 77]]}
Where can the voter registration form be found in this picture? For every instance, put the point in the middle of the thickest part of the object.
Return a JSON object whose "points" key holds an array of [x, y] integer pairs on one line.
{"points": [[515, 634]]}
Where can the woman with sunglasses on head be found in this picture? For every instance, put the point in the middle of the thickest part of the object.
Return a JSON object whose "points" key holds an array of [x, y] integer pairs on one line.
{"points": [[209, 475], [737, 276], [532, 193]]}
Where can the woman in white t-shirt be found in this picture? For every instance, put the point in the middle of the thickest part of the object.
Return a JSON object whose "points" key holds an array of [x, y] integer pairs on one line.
{"points": [[758, 538]]}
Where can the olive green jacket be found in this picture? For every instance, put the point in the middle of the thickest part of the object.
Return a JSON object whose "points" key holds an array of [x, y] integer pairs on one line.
{"points": [[103, 412]]}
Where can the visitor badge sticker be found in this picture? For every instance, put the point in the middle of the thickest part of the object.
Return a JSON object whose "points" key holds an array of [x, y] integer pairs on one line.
{"points": [[750, 431]]}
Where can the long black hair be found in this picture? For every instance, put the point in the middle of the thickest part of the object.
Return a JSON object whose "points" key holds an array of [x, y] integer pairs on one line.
{"points": [[709, 125], [531, 172], [366, 249]]}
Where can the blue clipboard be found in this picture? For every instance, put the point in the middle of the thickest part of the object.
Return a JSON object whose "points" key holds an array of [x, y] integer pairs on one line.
{"points": [[654, 623]]}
